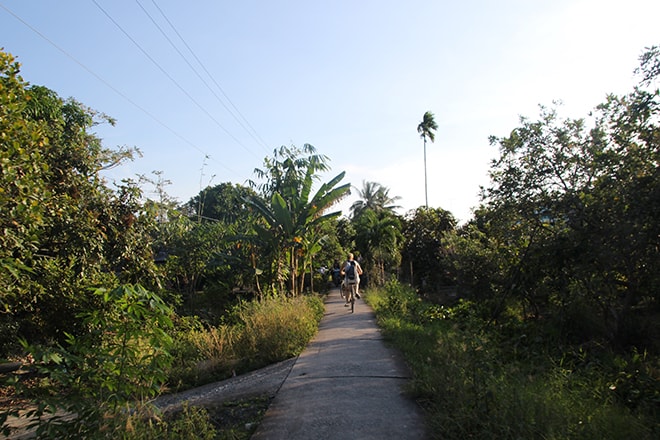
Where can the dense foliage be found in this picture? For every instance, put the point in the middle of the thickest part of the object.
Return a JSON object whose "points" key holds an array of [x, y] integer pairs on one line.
{"points": [[64, 231], [94, 277], [573, 212], [290, 230], [552, 282], [424, 262]]}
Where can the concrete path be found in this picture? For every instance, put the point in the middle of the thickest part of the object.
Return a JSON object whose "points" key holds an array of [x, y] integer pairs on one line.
{"points": [[347, 384]]}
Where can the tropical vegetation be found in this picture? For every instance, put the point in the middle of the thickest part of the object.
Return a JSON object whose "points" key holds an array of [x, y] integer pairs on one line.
{"points": [[515, 378], [538, 318]]}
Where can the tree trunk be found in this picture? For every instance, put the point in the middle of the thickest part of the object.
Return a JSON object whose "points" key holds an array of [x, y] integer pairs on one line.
{"points": [[311, 274], [426, 191], [293, 271], [256, 276]]}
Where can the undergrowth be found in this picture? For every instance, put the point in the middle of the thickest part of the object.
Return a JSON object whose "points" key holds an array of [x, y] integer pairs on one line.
{"points": [[511, 379], [252, 335], [108, 378]]}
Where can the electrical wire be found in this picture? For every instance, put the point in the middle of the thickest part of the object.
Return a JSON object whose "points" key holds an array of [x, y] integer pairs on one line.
{"points": [[110, 86], [263, 143], [250, 131], [150, 58]]}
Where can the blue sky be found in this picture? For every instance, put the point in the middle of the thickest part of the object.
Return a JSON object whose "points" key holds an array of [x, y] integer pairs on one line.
{"points": [[353, 78]]}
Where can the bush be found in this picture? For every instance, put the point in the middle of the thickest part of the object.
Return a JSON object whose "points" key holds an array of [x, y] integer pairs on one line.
{"points": [[122, 359], [132, 348]]}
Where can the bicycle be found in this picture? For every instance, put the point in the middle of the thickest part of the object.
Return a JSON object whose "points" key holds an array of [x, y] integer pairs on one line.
{"points": [[351, 291]]}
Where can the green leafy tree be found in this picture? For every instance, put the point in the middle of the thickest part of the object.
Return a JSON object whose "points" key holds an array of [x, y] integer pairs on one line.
{"points": [[423, 249], [345, 233], [130, 227], [225, 251], [476, 262], [575, 206], [23, 190], [287, 169], [224, 202], [426, 129], [378, 238], [64, 230], [190, 248]]}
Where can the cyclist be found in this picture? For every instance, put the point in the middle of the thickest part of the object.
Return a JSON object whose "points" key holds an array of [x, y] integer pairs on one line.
{"points": [[336, 270], [351, 272]]}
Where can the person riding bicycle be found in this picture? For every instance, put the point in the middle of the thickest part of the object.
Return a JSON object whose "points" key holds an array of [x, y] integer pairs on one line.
{"points": [[351, 272], [336, 271]]}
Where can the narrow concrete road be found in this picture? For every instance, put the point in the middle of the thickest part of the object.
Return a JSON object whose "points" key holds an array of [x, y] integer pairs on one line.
{"points": [[347, 384]]}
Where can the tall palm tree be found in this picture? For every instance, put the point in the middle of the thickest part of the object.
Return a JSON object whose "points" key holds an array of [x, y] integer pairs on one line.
{"points": [[426, 129]]}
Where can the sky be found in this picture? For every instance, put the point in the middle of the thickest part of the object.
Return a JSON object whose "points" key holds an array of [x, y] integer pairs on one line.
{"points": [[207, 89]]}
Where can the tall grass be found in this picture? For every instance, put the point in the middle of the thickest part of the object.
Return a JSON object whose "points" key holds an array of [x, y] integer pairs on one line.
{"points": [[276, 329], [254, 334], [481, 381], [191, 424]]}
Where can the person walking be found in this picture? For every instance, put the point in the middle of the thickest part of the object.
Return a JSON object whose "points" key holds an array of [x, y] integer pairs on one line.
{"points": [[351, 272]]}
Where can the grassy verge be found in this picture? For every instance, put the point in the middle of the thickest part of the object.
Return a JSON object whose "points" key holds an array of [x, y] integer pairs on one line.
{"points": [[107, 401], [252, 335], [510, 381]]}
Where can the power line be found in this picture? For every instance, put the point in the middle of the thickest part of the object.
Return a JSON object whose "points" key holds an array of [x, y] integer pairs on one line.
{"points": [[263, 143], [110, 86], [150, 58], [251, 132]]}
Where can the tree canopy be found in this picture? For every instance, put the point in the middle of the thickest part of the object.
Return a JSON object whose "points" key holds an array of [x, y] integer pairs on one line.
{"points": [[576, 203]]}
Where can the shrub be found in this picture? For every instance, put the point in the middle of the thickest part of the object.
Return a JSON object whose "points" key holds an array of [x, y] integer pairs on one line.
{"points": [[253, 335], [122, 359]]}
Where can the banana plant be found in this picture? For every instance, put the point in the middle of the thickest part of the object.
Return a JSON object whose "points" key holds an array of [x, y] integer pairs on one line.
{"points": [[290, 217]]}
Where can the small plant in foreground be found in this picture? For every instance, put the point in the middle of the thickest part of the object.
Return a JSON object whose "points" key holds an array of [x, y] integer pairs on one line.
{"points": [[122, 360]]}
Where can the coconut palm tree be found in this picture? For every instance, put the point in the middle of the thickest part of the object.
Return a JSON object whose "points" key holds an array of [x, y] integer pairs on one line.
{"points": [[426, 129], [374, 196]]}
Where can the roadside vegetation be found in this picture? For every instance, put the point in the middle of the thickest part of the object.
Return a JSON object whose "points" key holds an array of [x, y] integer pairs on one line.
{"points": [[135, 352], [253, 335], [537, 318], [515, 378], [109, 298]]}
